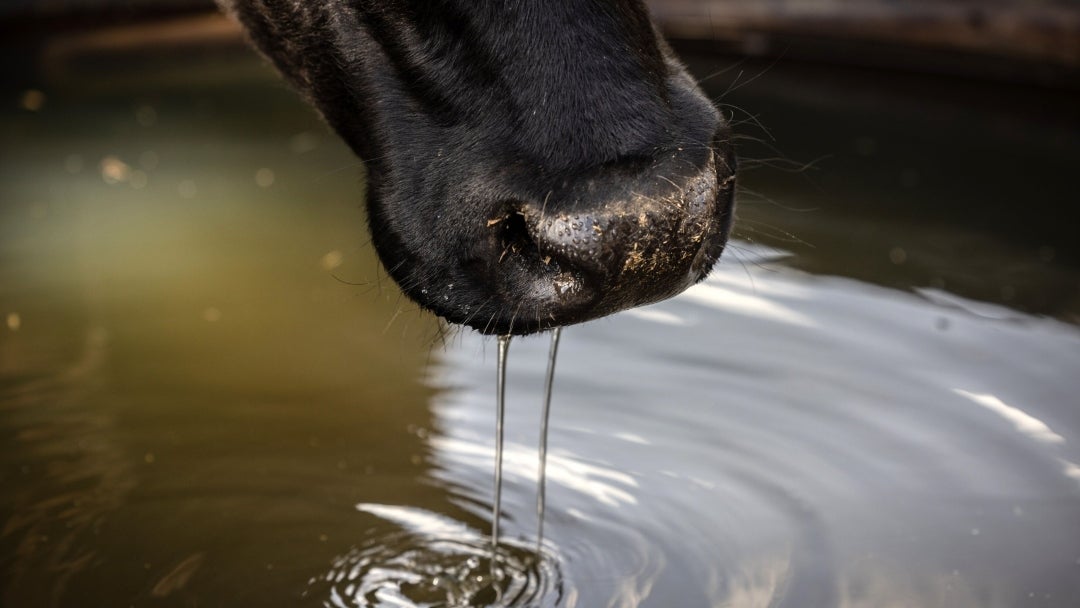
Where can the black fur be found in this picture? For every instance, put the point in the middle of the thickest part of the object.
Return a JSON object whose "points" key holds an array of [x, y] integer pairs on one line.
{"points": [[531, 163]]}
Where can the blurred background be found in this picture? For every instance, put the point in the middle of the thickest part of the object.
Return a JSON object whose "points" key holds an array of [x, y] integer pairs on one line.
{"points": [[211, 394], [1025, 40]]}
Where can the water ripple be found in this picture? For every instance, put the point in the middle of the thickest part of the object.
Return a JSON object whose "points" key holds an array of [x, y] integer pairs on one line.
{"points": [[790, 441], [433, 561]]}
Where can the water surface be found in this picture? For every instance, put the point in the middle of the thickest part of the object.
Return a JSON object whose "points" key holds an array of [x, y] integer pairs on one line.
{"points": [[210, 394]]}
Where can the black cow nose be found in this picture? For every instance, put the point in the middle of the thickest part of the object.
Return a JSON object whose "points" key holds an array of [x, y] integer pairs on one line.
{"points": [[629, 237], [626, 231]]}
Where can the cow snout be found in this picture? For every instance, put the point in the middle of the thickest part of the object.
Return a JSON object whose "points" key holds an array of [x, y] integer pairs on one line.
{"points": [[630, 234], [620, 237]]}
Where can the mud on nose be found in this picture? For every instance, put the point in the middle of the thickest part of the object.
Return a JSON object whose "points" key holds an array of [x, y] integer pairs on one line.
{"points": [[634, 241]]}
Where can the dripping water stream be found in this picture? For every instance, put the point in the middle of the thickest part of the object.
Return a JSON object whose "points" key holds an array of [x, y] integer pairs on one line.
{"points": [[500, 418], [549, 379]]}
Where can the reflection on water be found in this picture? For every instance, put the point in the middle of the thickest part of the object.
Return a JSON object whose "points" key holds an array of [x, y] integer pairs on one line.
{"points": [[210, 395], [869, 478]]}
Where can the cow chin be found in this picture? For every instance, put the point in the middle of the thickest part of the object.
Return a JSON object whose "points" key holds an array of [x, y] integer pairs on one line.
{"points": [[617, 237]]}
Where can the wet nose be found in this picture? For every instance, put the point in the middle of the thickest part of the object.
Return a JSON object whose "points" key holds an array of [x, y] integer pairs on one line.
{"points": [[639, 237]]}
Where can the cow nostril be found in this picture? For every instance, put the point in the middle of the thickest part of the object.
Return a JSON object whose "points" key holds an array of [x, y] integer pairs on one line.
{"points": [[515, 238], [525, 259]]}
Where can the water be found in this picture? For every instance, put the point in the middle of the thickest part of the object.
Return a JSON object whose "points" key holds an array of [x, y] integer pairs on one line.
{"points": [[500, 438], [209, 395], [545, 422]]}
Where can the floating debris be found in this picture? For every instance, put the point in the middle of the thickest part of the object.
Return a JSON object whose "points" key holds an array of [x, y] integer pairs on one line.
{"points": [[32, 100], [264, 178], [114, 170], [187, 189], [332, 260]]}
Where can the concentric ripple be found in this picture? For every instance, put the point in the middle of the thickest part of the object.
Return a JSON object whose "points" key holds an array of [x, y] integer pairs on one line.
{"points": [[433, 561], [789, 442]]}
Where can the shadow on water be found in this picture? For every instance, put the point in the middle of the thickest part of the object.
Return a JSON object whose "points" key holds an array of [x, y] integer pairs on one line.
{"points": [[209, 395]]}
